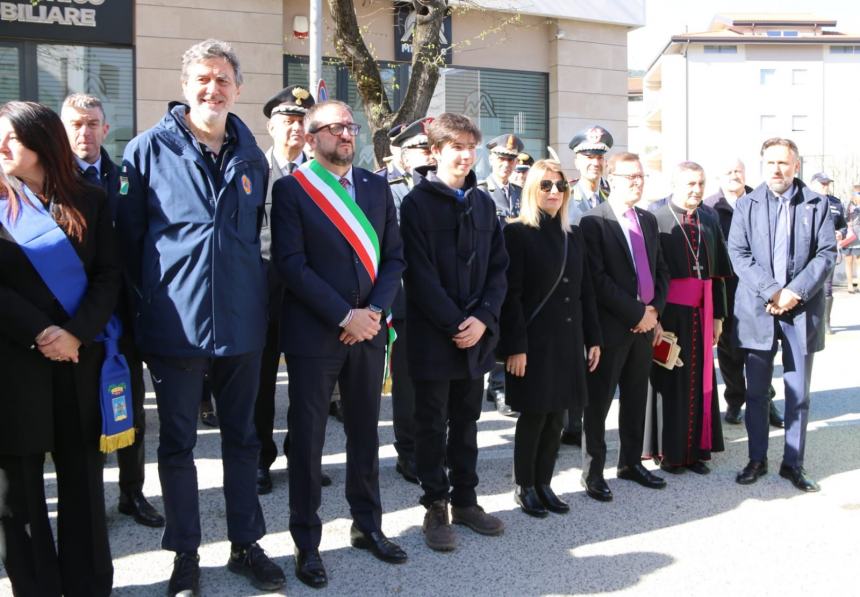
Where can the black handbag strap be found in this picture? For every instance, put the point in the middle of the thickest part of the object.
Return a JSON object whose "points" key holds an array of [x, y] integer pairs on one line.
{"points": [[554, 286]]}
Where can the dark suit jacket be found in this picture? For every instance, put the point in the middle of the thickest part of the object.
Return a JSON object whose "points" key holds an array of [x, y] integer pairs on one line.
{"points": [[504, 208], [26, 308], [613, 272], [324, 278], [814, 255]]}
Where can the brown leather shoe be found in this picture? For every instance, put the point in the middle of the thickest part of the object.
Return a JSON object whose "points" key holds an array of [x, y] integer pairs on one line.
{"points": [[438, 533], [476, 519]]}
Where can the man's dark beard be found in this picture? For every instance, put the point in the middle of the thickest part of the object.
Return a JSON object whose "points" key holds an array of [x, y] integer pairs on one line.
{"points": [[335, 159]]}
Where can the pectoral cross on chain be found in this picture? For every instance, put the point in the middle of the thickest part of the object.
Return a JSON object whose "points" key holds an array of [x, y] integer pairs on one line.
{"points": [[698, 270]]}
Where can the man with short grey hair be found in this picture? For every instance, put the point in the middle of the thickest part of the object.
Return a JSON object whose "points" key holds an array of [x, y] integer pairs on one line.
{"points": [[192, 190], [86, 125]]}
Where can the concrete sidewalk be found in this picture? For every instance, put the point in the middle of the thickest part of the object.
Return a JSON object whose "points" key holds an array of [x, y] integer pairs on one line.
{"points": [[699, 536]]}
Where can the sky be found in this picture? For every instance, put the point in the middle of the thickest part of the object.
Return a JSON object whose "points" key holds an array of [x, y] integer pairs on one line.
{"points": [[665, 18]]}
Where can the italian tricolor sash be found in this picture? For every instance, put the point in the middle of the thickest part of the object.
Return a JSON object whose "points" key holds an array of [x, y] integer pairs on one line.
{"points": [[335, 202], [349, 219]]}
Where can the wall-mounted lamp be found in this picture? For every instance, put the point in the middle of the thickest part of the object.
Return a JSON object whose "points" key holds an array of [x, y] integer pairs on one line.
{"points": [[300, 27]]}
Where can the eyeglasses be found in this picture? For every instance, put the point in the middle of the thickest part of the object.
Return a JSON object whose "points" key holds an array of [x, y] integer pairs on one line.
{"points": [[547, 185], [337, 129], [635, 178]]}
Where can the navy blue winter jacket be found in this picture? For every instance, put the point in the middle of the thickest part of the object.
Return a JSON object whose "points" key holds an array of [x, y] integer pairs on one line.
{"points": [[193, 250]]}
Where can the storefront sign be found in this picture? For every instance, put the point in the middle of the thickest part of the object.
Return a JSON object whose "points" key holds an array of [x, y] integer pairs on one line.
{"points": [[89, 21], [404, 27]]}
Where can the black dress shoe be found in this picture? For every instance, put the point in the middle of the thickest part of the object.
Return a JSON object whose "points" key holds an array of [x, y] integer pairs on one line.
{"points": [[699, 467], [529, 502], [264, 481], [378, 544], [252, 562], [550, 500], [798, 478], [406, 467], [325, 480], [597, 489], [752, 471], [571, 438], [185, 578], [143, 512], [641, 475], [733, 415], [310, 569], [775, 417]]}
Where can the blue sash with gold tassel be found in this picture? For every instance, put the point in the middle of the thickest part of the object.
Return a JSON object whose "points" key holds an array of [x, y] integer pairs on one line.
{"points": [[54, 258]]}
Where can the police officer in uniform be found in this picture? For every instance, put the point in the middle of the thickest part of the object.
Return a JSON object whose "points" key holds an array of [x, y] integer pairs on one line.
{"points": [[414, 151], [589, 147], [521, 169], [286, 113], [504, 151], [820, 183]]}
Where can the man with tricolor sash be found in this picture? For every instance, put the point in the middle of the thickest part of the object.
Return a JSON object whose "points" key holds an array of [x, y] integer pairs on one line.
{"points": [[336, 245]]}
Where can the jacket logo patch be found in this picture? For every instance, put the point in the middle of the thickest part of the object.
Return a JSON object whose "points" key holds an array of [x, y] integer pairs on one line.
{"points": [[246, 184]]}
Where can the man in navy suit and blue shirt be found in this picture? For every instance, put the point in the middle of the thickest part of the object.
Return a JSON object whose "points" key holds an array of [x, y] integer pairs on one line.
{"points": [[783, 247], [336, 245]]}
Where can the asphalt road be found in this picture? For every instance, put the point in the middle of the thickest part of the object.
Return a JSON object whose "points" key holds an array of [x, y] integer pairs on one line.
{"points": [[699, 536]]}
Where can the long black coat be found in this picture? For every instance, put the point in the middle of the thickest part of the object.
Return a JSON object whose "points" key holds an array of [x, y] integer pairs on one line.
{"points": [[26, 308], [555, 342], [455, 268]]}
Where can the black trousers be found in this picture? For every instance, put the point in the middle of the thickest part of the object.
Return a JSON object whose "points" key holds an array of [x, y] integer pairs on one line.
{"points": [[402, 396], [79, 565], [536, 442], [359, 370], [178, 386], [626, 366], [264, 410], [731, 361], [132, 459], [446, 430]]}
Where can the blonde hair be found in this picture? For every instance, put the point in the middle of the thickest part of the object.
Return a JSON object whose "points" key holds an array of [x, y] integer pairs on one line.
{"points": [[529, 203]]}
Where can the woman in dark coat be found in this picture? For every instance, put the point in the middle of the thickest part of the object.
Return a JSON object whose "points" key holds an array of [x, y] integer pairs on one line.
{"points": [[545, 352], [50, 365]]}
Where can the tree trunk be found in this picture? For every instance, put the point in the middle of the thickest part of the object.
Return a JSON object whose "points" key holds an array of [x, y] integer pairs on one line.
{"points": [[426, 58]]}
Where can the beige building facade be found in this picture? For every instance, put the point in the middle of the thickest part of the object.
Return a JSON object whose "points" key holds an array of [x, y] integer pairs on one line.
{"points": [[543, 69], [717, 95]]}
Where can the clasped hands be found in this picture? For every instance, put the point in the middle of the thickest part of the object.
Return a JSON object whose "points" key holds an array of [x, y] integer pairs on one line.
{"points": [[471, 331], [363, 325], [782, 301], [57, 344]]}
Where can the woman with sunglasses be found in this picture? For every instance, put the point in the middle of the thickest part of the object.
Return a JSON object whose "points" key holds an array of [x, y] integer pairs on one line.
{"points": [[549, 330], [59, 281]]}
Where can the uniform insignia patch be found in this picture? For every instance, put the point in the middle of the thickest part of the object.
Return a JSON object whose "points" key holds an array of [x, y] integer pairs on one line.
{"points": [[246, 184]]}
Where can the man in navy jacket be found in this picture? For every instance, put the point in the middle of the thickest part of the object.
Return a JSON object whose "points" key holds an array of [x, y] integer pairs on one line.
{"points": [[336, 245], [783, 248], [191, 203]]}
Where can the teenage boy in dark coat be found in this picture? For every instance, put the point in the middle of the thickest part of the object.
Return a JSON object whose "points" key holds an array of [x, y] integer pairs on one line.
{"points": [[455, 284]]}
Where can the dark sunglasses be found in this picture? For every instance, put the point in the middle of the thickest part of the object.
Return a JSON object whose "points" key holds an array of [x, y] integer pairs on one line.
{"points": [[546, 185]]}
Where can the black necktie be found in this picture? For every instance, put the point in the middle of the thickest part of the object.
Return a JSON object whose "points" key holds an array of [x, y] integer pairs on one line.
{"points": [[92, 175], [291, 167]]}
